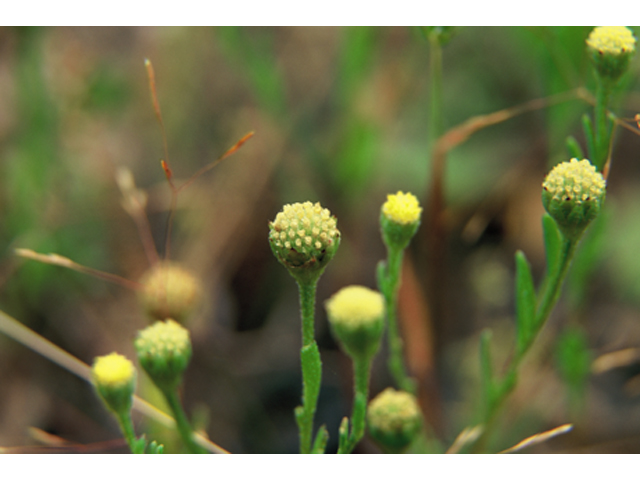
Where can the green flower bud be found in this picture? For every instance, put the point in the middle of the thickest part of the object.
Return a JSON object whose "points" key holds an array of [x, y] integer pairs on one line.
{"points": [[394, 419], [356, 316], [169, 291], [400, 219], [610, 49], [164, 351], [573, 193], [114, 378], [304, 237]]}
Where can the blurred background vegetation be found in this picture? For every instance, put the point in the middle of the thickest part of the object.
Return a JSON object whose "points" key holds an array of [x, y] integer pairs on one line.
{"points": [[341, 117]]}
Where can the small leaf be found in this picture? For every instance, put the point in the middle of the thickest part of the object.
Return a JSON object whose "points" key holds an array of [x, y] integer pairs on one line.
{"points": [[320, 443], [525, 301], [574, 148], [588, 133], [343, 436]]}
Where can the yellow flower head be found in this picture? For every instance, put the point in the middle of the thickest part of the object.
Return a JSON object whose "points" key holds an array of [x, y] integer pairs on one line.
{"points": [[164, 338], [402, 208], [355, 306], [169, 291], [573, 193], [612, 40], [576, 181], [304, 237], [113, 370]]}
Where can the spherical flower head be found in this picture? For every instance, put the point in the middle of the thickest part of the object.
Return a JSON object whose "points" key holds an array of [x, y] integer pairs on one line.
{"points": [[304, 237], [400, 219], [572, 193], [356, 316], [394, 419], [610, 49], [169, 291], [114, 378], [164, 351]]}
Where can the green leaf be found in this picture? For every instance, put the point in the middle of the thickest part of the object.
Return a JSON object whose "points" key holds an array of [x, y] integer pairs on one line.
{"points": [[525, 301], [574, 148], [343, 436], [587, 126], [320, 443]]}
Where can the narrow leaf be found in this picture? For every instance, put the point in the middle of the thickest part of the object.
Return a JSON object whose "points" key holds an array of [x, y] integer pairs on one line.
{"points": [[574, 148], [320, 443], [525, 301], [486, 368]]}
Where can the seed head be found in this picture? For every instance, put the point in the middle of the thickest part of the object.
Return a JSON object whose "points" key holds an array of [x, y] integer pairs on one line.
{"points": [[573, 193]]}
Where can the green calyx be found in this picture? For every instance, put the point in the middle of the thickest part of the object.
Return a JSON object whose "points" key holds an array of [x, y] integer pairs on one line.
{"points": [[610, 50], [356, 316], [399, 219], [394, 419], [164, 351], [573, 193], [304, 237]]}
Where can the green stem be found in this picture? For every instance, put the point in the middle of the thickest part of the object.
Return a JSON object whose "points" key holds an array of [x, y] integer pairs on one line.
{"points": [[552, 288], [602, 137], [389, 288], [126, 425], [361, 375], [311, 365], [184, 428]]}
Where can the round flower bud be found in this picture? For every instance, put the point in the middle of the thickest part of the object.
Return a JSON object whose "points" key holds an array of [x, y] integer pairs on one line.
{"points": [[356, 316], [164, 351], [573, 193], [400, 219], [304, 237], [610, 49], [394, 419], [114, 378], [169, 291]]}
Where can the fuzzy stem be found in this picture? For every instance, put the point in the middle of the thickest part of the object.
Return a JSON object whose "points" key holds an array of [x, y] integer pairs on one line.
{"points": [[184, 427], [389, 288], [126, 425], [311, 365]]}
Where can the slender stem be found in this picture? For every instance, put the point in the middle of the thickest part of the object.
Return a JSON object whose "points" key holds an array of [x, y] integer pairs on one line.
{"points": [[552, 288], [184, 427], [126, 425], [436, 124], [361, 374], [311, 365], [602, 137], [390, 287]]}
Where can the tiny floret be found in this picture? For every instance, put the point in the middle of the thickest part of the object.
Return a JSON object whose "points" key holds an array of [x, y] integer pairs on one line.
{"points": [[402, 208], [573, 193], [304, 237], [113, 370], [169, 291], [612, 40], [394, 419]]}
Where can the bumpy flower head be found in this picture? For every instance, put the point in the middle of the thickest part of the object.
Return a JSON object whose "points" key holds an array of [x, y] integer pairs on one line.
{"points": [[573, 193], [610, 49], [394, 419], [114, 378], [164, 351], [400, 219], [356, 315], [304, 237], [169, 291]]}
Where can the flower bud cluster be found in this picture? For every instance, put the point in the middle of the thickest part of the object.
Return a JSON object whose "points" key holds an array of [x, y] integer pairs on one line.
{"points": [[610, 49]]}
